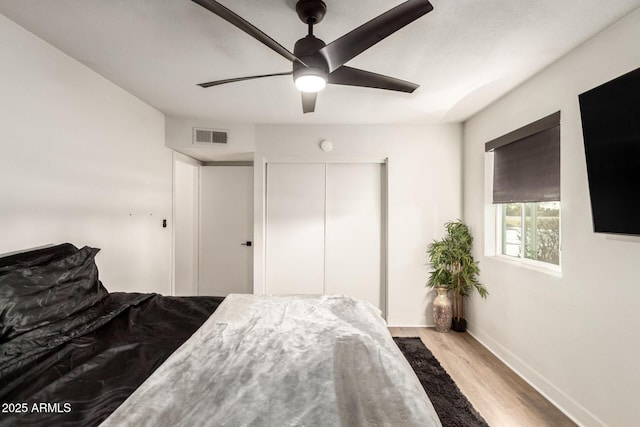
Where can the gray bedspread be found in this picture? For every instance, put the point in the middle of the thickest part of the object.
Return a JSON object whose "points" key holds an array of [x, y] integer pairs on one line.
{"points": [[283, 361]]}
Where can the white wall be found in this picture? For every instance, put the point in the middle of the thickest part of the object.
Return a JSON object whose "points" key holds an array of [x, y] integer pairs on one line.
{"points": [[424, 192], [574, 337], [81, 161]]}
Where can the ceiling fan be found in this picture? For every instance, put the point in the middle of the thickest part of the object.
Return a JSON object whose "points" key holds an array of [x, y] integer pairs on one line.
{"points": [[315, 63]]}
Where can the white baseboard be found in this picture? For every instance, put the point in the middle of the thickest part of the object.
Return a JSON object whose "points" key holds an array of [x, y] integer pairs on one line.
{"points": [[557, 397], [409, 326]]}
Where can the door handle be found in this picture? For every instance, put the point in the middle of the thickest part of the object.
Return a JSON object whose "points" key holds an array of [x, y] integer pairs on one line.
{"points": [[247, 243]]}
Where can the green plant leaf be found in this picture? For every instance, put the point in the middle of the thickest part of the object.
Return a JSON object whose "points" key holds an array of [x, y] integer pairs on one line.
{"points": [[452, 263]]}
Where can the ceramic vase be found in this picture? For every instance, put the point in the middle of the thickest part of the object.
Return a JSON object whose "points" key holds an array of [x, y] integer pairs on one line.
{"points": [[442, 311]]}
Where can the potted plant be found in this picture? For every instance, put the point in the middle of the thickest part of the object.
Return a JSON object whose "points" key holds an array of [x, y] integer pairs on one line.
{"points": [[454, 268]]}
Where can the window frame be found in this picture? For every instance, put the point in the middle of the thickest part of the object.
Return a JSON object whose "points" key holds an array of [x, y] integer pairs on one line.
{"points": [[500, 239]]}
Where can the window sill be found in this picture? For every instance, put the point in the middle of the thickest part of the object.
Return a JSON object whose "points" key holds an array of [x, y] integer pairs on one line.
{"points": [[542, 267]]}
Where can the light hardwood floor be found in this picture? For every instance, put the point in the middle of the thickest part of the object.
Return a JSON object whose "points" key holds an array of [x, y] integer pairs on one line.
{"points": [[498, 393]]}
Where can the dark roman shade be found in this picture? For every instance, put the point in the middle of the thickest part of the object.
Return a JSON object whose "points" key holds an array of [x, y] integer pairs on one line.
{"points": [[526, 163]]}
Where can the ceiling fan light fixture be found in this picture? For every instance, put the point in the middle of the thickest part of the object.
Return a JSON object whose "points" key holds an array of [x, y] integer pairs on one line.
{"points": [[310, 83]]}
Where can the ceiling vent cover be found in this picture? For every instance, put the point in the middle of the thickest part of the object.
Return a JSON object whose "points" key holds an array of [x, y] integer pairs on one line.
{"points": [[202, 136]]}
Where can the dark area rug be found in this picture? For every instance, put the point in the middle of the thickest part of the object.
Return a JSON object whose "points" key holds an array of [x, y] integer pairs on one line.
{"points": [[451, 405]]}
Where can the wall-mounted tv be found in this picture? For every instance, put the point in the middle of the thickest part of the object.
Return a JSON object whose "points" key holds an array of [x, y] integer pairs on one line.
{"points": [[611, 129]]}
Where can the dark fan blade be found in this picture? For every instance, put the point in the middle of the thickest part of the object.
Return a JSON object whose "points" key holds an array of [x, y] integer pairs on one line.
{"points": [[354, 77], [309, 101], [247, 27], [338, 52], [239, 79]]}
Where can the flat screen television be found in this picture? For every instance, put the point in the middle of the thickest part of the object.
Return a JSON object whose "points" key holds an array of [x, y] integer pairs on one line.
{"points": [[610, 116]]}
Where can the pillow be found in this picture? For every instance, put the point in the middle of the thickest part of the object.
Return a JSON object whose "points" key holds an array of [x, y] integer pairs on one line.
{"points": [[36, 257], [46, 287]]}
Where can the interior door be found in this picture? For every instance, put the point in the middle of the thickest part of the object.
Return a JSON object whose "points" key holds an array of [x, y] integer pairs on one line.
{"points": [[226, 230]]}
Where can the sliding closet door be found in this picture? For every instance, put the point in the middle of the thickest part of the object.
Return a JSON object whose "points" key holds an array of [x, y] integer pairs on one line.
{"points": [[353, 240], [295, 229], [325, 230]]}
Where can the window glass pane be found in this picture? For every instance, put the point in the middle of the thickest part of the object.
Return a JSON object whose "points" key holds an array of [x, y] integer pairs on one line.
{"points": [[511, 229], [542, 231], [548, 231]]}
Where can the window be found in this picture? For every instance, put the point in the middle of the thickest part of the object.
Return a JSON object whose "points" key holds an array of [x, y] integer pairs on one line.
{"points": [[526, 190], [531, 231]]}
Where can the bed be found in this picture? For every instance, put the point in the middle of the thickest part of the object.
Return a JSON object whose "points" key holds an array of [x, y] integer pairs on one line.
{"points": [[72, 353]]}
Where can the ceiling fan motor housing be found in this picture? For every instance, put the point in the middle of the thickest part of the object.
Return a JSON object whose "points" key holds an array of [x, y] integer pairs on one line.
{"points": [[311, 11], [307, 50]]}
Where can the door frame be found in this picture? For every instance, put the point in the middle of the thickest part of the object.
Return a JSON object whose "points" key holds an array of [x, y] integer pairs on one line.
{"points": [[182, 158], [260, 217]]}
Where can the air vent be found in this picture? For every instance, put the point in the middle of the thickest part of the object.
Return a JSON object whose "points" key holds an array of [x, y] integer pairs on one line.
{"points": [[203, 136]]}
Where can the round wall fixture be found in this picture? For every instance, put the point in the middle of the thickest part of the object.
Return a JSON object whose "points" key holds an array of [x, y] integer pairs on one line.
{"points": [[326, 145]]}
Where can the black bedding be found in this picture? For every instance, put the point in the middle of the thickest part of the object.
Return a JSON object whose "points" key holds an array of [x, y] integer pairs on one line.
{"points": [[71, 352]]}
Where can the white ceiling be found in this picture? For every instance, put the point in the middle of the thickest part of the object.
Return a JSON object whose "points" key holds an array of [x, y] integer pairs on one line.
{"points": [[465, 53]]}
